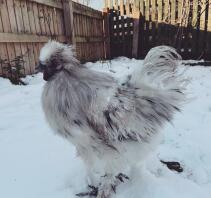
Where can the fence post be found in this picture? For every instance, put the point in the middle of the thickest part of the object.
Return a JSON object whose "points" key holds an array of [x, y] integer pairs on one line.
{"points": [[106, 30], [209, 31], [68, 21], [136, 20]]}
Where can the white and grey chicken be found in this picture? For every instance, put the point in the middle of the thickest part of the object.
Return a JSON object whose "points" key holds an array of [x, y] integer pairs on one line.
{"points": [[112, 125]]}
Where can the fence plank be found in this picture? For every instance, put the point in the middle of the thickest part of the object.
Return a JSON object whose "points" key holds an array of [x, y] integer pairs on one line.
{"points": [[36, 18], [12, 16], [31, 18], [122, 7], [160, 10], [127, 7], [209, 29], [173, 11], [68, 20], [55, 22], [3, 51], [202, 35], [19, 17], [107, 34], [41, 17], [136, 17], [209, 17], [5, 16], [25, 17], [16, 47], [29, 56]]}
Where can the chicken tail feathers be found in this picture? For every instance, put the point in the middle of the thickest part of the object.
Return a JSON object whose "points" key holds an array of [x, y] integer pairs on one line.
{"points": [[161, 83], [160, 70]]}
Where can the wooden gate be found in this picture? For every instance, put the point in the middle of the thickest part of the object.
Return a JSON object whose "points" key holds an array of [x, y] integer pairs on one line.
{"points": [[121, 34], [183, 24]]}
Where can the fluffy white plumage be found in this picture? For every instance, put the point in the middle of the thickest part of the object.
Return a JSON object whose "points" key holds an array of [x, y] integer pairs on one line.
{"points": [[112, 125]]}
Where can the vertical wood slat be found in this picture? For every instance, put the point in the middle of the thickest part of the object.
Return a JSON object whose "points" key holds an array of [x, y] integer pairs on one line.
{"points": [[166, 11], [106, 30], [141, 3], [209, 17], [209, 28], [115, 4], [12, 16], [202, 29], [27, 29], [6, 26], [25, 17], [47, 20], [160, 10], [106, 4], [202, 18], [36, 18], [180, 10], [127, 7], [14, 27], [154, 21], [3, 50], [55, 23], [41, 18], [35, 55], [122, 7], [153, 3], [136, 17], [31, 18], [110, 4], [68, 20], [173, 12], [147, 10], [195, 13], [5, 16], [19, 17], [194, 28], [36, 25]]}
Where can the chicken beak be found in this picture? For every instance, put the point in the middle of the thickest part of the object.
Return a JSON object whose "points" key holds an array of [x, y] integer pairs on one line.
{"points": [[43, 68], [47, 74]]}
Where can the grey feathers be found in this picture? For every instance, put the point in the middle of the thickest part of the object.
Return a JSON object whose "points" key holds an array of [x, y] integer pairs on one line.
{"points": [[96, 113]]}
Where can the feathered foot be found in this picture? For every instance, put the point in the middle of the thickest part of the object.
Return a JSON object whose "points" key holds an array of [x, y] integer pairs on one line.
{"points": [[92, 193], [106, 187], [109, 184]]}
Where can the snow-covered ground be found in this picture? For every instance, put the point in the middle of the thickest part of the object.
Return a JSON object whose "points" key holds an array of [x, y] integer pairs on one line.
{"points": [[35, 163]]}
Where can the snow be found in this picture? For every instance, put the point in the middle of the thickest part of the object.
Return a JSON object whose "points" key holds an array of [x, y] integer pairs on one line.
{"points": [[34, 162]]}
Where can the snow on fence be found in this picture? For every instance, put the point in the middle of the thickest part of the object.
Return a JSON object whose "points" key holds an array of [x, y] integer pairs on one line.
{"points": [[25, 25], [138, 25]]}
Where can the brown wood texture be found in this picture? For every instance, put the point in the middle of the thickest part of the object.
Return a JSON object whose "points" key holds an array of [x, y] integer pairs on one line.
{"points": [[25, 25], [89, 29]]}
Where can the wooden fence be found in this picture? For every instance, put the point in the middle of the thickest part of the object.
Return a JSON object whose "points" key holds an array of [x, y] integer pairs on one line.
{"points": [[25, 25], [183, 24], [125, 28]]}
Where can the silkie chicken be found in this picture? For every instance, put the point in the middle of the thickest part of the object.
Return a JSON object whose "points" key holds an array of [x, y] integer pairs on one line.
{"points": [[113, 125]]}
